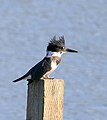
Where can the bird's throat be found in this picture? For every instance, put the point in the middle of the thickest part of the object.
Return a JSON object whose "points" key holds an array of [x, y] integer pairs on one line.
{"points": [[50, 54]]}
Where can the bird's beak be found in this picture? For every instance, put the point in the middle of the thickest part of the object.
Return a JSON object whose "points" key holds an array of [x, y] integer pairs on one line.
{"points": [[70, 50]]}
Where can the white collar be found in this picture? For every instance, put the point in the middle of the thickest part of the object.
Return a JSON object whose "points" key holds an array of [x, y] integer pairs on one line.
{"points": [[50, 53]]}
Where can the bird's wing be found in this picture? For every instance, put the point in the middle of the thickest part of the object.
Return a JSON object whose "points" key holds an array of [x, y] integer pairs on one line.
{"points": [[41, 68], [37, 71]]}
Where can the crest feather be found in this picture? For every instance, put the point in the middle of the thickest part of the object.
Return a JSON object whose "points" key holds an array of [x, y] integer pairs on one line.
{"points": [[56, 44]]}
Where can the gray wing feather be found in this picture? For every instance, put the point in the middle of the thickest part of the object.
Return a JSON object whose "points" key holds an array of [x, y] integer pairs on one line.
{"points": [[38, 70]]}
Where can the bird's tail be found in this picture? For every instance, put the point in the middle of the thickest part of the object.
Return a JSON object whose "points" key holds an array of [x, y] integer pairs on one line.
{"points": [[17, 80], [21, 78]]}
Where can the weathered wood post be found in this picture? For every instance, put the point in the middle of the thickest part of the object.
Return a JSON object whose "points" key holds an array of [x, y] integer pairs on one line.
{"points": [[45, 100]]}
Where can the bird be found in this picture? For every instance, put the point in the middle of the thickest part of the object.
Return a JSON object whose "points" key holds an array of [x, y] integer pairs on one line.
{"points": [[43, 69]]}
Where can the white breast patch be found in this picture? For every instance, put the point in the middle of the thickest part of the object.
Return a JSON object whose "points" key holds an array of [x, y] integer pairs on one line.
{"points": [[53, 67]]}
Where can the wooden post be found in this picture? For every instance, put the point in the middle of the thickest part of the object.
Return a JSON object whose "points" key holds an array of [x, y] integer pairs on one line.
{"points": [[45, 100]]}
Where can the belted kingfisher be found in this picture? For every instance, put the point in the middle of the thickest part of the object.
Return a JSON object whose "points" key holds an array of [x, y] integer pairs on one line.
{"points": [[45, 67]]}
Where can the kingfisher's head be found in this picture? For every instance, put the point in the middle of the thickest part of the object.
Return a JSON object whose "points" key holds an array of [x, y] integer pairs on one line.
{"points": [[56, 47]]}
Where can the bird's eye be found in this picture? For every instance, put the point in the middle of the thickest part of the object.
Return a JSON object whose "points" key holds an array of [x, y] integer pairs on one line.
{"points": [[61, 52], [62, 48]]}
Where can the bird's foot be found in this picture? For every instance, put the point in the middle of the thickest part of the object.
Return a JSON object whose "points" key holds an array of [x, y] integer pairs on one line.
{"points": [[48, 78]]}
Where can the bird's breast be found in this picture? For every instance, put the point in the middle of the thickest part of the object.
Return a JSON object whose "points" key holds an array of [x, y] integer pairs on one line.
{"points": [[55, 62], [53, 65]]}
